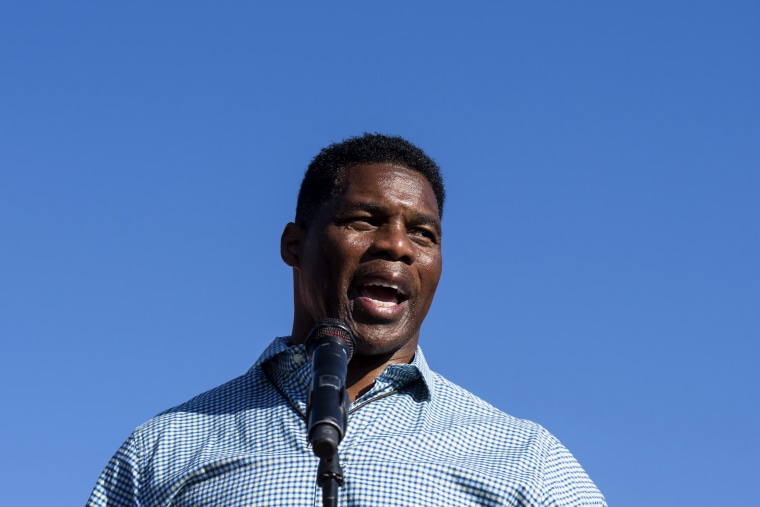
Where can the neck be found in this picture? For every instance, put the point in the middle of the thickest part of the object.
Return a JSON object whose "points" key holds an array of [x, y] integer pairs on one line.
{"points": [[363, 370]]}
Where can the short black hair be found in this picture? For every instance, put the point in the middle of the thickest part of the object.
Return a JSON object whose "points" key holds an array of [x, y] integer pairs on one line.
{"points": [[321, 177]]}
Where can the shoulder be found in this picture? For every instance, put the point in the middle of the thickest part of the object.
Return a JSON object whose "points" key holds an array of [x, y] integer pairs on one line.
{"points": [[456, 404], [208, 411], [232, 395], [512, 445]]}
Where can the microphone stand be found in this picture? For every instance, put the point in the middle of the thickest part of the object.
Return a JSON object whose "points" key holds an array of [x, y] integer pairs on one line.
{"points": [[329, 478], [330, 345]]}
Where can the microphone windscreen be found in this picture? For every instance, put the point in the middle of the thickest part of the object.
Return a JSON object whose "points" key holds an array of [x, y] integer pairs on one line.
{"points": [[331, 327]]}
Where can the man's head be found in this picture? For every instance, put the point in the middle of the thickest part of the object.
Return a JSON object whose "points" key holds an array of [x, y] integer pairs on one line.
{"points": [[366, 248], [322, 176]]}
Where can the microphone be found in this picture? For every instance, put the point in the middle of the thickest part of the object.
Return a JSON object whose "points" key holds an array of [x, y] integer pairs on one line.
{"points": [[330, 345]]}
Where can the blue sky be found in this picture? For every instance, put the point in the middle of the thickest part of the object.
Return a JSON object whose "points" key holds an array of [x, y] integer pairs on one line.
{"points": [[600, 238]]}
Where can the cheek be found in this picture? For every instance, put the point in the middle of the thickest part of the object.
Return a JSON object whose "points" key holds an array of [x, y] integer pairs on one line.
{"points": [[429, 277], [346, 249], [338, 261], [430, 266]]}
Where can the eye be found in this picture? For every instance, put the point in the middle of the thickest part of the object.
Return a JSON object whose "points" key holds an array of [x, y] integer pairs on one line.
{"points": [[358, 223], [423, 235]]}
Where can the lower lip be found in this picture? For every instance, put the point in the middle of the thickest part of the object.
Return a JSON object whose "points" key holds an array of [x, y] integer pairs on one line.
{"points": [[371, 307]]}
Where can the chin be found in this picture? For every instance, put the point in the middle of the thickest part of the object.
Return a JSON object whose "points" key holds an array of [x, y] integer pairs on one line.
{"points": [[373, 340]]}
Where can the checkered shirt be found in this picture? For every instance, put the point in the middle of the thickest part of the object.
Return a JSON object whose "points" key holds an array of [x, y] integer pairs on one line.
{"points": [[415, 439]]}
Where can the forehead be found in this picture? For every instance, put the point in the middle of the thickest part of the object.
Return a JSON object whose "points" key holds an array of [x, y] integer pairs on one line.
{"points": [[386, 183]]}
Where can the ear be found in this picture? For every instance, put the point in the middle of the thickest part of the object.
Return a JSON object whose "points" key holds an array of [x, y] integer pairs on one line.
{"points": [[291, 243]]}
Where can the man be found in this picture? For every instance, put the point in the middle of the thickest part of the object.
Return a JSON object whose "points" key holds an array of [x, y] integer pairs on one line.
{"points": [[366, 249]]}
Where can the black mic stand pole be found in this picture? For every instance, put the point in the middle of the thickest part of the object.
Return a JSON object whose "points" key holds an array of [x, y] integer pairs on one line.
{"points": [[324, 439], [329, 478]]}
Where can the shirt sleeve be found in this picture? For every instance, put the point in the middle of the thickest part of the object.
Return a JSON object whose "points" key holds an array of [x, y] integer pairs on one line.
{"points": [[566, 483], [118, 485]]}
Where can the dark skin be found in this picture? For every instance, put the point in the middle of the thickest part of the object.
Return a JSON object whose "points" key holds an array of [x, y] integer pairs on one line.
{"points": [[371, 258]]}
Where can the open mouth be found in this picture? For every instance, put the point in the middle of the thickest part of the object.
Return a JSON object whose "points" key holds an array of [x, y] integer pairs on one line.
{"points": [[384, 295]]}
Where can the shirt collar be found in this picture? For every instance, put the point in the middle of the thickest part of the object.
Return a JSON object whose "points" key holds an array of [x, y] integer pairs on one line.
{"points": [[288, 366], [398, 375], [279, 345]]}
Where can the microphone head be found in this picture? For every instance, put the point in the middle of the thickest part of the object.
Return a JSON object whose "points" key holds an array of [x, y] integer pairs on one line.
{"points": [[331, 327]]}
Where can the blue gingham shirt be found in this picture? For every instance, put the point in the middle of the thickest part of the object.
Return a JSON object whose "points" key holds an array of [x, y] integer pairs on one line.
{"points": [[415, 439]]}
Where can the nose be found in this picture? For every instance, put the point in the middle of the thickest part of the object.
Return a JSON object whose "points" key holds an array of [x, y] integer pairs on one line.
{"points": [[392, 242]]}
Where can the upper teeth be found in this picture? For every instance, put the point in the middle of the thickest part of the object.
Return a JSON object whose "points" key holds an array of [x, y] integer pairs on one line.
{"points": [[388, 285]]}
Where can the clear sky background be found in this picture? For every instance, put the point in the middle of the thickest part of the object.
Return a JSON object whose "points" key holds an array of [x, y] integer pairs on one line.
{"points": [[601, 237]]}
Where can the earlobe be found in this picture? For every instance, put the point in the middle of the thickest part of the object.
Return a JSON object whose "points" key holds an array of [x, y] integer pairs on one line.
{"points": [[290, 244]]}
